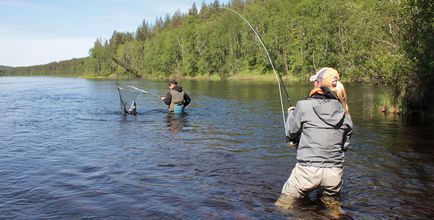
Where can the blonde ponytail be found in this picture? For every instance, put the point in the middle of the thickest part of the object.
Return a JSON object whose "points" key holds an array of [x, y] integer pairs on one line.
{"points": [[341, 95]]}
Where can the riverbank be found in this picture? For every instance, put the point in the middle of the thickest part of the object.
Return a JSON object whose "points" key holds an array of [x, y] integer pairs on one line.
{"points": [[242, 76], [253, 76]]}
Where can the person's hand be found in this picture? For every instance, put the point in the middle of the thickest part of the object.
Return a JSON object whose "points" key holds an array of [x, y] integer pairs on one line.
{"points": [[163, 98], [291, 109]]}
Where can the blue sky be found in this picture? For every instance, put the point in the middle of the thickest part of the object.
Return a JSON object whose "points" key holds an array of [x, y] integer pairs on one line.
{"points": [[41, 31]]}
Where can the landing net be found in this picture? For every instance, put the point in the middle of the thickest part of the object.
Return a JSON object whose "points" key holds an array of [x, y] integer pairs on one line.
{"points": [[128, 97]]}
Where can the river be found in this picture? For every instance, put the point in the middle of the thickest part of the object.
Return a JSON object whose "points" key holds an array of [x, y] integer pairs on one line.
{"points": [[66, 152]]}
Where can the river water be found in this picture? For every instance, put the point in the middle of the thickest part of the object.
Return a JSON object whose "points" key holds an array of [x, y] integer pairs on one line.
{"points": [[66, 152]]}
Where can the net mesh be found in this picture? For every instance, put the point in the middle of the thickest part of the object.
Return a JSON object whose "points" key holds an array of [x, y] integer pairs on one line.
{"points": [[128, 99]]}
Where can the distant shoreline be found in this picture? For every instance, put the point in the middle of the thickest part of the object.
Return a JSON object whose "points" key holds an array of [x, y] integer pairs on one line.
{"points": [[204, 77]]}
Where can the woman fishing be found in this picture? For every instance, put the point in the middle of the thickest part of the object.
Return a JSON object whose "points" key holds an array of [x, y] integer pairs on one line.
{"points": [[321, 127]]}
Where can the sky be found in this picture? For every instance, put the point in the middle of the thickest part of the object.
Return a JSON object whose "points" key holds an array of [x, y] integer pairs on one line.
{"points": [[36, 32]]}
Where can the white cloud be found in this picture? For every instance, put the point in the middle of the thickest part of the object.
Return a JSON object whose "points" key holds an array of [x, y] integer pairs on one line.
{"points": [[5, 30], [14, 3], [34, 51], [29, 5]]}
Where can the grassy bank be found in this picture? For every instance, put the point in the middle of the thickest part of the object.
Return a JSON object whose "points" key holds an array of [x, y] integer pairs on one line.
{"points": [[254, 76]]}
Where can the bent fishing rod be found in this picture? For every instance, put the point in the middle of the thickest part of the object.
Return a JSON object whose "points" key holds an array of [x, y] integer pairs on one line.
{"points": [[140, 90], [276, 74]]}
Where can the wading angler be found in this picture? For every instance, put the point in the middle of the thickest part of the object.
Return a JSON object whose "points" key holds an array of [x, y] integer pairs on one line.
{"points": [[320, 127], [176, 98]]}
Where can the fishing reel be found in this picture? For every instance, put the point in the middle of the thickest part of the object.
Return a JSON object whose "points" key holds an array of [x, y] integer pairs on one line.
{"points": [[291, 143]]}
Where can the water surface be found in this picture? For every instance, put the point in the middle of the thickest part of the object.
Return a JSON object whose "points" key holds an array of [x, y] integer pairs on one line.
{"points": [[67, 152]]}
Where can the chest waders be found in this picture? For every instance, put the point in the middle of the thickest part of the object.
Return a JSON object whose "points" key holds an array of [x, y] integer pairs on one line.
{"points": [[177, 103]]}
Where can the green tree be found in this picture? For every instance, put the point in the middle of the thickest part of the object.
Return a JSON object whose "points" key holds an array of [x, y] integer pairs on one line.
{"points": [[419, 47]]}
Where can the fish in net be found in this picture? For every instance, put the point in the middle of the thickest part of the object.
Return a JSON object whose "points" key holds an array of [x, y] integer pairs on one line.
{"points": [[128, 97]]}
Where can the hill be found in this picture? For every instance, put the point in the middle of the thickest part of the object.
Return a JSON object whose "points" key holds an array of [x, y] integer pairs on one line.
{"points": [[5, 67]]}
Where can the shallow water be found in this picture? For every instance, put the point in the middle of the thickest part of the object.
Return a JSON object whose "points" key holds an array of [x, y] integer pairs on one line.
{"points": [[67, 152]]}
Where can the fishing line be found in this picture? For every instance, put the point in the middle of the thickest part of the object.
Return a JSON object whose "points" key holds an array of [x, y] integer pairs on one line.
{"points": [[276, 74]]}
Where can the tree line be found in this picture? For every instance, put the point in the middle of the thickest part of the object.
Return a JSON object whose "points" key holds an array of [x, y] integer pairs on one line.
{"points": [[381, 42]]}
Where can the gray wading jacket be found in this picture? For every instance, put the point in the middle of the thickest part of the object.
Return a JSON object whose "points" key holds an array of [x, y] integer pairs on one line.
{"points": [[322, 129]]}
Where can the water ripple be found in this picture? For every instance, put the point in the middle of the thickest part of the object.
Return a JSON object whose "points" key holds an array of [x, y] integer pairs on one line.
{"points": [[67, 153]]}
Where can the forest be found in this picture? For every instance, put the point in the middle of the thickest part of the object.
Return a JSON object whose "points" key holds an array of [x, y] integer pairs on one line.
{"points": [[387, 42]]}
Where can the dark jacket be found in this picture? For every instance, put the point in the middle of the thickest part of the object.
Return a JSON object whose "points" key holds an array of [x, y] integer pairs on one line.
{"points": [[168, 99], [322, 129]]}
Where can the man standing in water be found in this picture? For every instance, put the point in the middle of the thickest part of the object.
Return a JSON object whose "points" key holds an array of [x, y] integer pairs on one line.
{"points": [[176, 98], [321, 127]]}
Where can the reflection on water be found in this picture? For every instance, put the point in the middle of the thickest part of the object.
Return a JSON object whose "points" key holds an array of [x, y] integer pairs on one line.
{"points": [[175, 122], [68, 153]]}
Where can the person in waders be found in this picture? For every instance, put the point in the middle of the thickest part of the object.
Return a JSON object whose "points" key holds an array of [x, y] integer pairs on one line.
{"points": [[176, 98], [320, 127]]}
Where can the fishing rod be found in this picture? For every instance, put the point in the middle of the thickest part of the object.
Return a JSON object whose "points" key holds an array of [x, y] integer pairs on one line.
{"points": [[141, 90], [276, 74]]}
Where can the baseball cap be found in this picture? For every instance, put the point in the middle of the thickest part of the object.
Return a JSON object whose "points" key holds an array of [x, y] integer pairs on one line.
{"points": [[326, 76]]}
